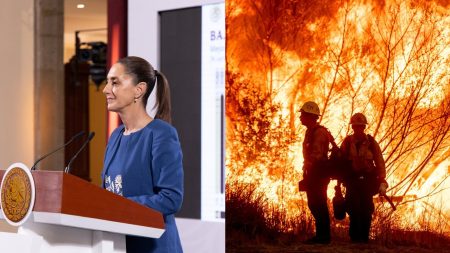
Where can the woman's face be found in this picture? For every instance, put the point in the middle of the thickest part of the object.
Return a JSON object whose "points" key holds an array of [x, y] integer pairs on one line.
{"points": [[120, 91]]}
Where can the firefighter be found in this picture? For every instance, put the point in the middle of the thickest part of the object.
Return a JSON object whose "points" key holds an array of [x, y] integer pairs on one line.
{"points": [[315, 181], [366, 177]]}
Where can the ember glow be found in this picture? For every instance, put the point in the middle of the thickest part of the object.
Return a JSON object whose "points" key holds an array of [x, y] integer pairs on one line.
{"points": [[387, 59]]}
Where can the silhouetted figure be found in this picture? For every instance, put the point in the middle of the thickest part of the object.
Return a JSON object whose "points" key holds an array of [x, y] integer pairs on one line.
{"points": [[315, 181], [366, 177]]}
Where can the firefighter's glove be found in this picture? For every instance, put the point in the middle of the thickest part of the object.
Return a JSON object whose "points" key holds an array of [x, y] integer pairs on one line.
{"points": [[383, 188]]}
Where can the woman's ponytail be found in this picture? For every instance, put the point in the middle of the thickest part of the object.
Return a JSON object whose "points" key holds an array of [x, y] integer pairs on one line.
{"points": [[163, 98]]}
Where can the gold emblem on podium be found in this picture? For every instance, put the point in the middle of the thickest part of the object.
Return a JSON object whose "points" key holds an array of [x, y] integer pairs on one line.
{"points": [[17, 194]]}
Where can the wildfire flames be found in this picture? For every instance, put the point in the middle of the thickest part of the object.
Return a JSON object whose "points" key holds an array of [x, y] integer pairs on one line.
{"points": [[387, 59]]}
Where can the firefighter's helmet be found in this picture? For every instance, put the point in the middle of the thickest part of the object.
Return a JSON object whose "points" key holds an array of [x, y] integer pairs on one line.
{"points": [[358, 119], [310, 107]]}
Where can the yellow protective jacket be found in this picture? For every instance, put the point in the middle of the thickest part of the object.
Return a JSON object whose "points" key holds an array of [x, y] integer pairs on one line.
{"points": [[365, 156], [315, 147]]}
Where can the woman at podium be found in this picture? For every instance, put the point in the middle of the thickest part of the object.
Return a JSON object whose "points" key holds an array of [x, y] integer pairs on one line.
{"points": [[143, 158]]}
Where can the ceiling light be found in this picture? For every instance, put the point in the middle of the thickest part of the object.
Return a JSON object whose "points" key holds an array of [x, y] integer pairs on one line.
{"points": [[80, 6]]}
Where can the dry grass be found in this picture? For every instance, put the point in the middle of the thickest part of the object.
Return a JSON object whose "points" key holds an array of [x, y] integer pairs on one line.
{"points": [[252, 225]]}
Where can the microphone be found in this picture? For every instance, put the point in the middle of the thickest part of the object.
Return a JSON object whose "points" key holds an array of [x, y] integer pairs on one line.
{"points": [[59, 148], [68, 167]]}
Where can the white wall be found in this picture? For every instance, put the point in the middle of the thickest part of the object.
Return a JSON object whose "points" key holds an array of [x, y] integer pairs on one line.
{"points": [[16, 82]]}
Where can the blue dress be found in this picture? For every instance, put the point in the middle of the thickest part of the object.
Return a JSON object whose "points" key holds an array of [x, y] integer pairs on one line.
{"points": [[146, 167]]}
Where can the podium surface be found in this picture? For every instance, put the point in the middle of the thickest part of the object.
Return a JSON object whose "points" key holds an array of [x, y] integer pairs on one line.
{"points": [[69, 206]]}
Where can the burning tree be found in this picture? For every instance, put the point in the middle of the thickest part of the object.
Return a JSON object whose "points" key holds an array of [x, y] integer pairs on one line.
{"points": [[387, 59]]}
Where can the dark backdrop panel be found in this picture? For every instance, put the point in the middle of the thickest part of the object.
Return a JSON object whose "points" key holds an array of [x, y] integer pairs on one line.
{"points": [[76, 90], [181, 63]]}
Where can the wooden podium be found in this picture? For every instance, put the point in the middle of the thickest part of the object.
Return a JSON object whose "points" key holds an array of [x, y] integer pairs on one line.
{"points": [[72, 215]]}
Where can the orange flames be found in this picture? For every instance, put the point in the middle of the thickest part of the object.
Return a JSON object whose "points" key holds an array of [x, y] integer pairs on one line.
{"points": [[387, 59]]}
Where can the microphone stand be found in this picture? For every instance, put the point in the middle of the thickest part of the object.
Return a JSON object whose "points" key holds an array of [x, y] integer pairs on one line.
{"points": [[68, 167]]}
